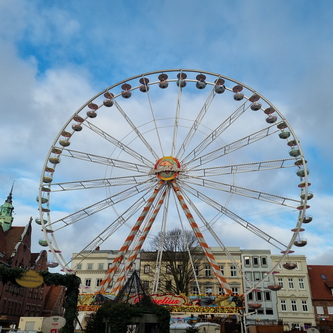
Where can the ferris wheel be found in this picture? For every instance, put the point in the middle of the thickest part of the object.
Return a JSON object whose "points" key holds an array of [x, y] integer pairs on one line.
{"points": [[168, 148]]}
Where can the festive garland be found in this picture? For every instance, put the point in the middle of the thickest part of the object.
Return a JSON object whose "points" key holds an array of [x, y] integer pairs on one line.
{"points": [[71, 282]]}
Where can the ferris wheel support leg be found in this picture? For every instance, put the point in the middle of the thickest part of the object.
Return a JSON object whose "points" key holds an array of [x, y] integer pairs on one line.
{"points": [[123, 250], [134, 253], [209, 255]]}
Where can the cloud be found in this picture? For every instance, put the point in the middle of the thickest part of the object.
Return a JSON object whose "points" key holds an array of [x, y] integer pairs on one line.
{"points": [[54, 58]]}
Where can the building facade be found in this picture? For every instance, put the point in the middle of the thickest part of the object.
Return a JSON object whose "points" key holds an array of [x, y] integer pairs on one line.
{"points": [[203, 281], [15, 252], [321, 282], [283, 295], [294, 300], [92, 267], [260, 303]]}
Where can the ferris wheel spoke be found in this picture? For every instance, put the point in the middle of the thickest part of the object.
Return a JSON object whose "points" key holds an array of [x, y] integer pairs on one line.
{"points": [[205, 248], [101, 205], [106, 161], [154, 121], [243, 167], [233, 146], [245, 192], [196, 123], [209, 228], [114, 226], [130, 238], [117, 143], [149, 220], [177, 114], [98, 183], [242, 222], [161, 243], [216, 133], [136, 130]]}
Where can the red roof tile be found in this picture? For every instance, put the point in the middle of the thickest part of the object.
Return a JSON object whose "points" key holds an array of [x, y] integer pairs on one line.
{"points": [[13, 236], [321, 281]]}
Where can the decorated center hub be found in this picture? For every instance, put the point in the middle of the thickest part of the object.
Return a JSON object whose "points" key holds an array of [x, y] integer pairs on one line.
{"points": [[167, 168]]}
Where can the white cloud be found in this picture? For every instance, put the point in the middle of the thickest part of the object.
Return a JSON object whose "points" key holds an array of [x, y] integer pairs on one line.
{"points": [[55, 58]]}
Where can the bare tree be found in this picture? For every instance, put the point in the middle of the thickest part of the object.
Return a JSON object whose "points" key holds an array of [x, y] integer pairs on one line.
{"points": [[181, 255]]}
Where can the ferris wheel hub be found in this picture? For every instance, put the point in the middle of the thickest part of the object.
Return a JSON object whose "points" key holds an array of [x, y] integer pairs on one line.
{"points": [[167, 168]]}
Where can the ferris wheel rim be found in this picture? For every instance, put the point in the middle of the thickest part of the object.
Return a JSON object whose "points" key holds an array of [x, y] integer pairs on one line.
{"points": [[51, 240]]}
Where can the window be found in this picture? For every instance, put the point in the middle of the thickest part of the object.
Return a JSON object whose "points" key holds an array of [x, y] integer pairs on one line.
{"points": [[233, 270], [256, 276], [283, 305], [280, 282], [146, 269], [250, 296], [320, 309], [98, 282], [88, 282], [301, 283], [269, 311], [79, 266], [247, 261], [207, 270], [263, 261], [304, 306], [235, 290], [90, 266], [291, 283], [295, 326], [255, 261], [267, 295], [195, 290], [293, 305], [221, 291], [100, 266], [196, 270], [330, 309], [258, 293], [208, 290], [222, 269]]}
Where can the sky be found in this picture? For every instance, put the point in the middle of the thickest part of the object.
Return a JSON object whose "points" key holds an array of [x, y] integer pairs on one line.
{"points": [[55, 56]]}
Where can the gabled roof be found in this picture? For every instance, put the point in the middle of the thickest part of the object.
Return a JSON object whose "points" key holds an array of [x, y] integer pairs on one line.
{"points": [[321, 281], [12, 240], [13, 236]]}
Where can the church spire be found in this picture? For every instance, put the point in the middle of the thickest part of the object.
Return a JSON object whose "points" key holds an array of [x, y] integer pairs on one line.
{"points": [[6, 212], [10, 195]]}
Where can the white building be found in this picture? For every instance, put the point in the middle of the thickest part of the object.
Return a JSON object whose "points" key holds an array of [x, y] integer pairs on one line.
{"points": [[91, 267], [255, 265], [294, 298], [292, 303]]}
